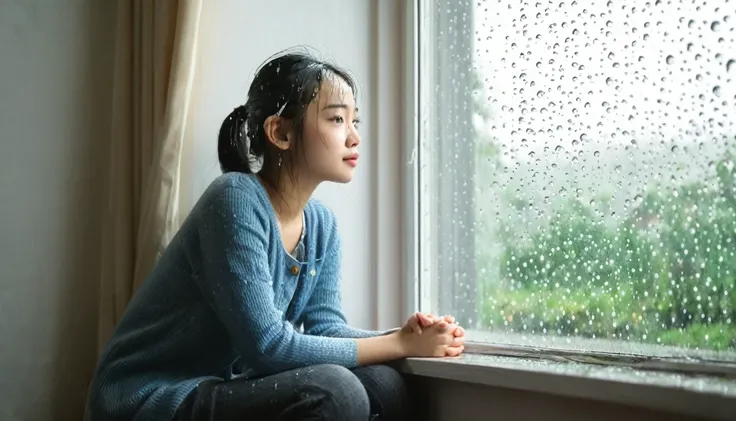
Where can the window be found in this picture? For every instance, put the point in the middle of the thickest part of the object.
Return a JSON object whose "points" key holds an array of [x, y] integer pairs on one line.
{"points": [[575, 181]]}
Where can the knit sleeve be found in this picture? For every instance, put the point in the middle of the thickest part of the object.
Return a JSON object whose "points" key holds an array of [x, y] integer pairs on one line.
{"points": [[236, 283], [323, 315]]}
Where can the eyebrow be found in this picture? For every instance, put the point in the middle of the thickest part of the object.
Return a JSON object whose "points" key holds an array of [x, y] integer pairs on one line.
{"points": [[344, 106]]}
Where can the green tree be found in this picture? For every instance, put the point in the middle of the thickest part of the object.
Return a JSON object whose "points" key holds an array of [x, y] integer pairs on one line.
{"points": [[665, 274]]}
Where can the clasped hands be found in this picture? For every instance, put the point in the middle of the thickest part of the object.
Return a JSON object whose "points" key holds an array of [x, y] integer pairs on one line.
{"points": [[425, 335]]}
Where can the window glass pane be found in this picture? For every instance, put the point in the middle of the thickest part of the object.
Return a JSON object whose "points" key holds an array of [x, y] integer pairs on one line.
{"points": [[578, 172]]}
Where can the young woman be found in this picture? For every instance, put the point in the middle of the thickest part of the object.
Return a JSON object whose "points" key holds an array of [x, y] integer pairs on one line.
{"points": [[240, 318]]}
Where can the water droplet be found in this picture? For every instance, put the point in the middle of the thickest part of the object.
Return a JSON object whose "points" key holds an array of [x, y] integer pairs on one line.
{"points": [[715, 25], [670, 59], [730, 65], [717, 90]]}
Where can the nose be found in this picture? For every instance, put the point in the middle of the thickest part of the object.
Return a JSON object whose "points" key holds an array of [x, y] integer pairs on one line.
{"points": [[353, 139]]}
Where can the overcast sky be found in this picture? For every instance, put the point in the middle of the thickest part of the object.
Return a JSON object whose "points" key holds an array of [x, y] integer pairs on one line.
{"points": [[561, 72]]}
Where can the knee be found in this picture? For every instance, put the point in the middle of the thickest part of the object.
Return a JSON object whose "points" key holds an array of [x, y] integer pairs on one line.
{"points": [[345, 397], [383, 378], [386, 390]]}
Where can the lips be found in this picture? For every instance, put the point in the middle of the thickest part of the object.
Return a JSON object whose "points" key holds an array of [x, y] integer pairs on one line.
{"points": [[352, 160]]}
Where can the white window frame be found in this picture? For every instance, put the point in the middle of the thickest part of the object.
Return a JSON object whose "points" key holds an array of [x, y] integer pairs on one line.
{"points": [[416, 292], [422, 290], [409, 159]]}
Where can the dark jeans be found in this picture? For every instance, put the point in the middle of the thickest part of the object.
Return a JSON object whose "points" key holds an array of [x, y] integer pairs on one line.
{"points": [[322, 392]]}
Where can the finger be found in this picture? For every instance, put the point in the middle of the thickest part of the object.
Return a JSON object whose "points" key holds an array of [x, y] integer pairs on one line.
{"points": [[410, 325], [447, 329], [411, 322], [414, 324], [459, 331], [454, 351], [449, 319], [425, 319], [435, 319], [458, 341]]}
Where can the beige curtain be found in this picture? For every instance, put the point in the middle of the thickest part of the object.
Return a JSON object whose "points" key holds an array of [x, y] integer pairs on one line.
{"points": [[156, 44]]}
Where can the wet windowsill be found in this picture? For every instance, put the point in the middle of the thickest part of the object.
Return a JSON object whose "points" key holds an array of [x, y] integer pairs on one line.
{"points": [[701, 396]]}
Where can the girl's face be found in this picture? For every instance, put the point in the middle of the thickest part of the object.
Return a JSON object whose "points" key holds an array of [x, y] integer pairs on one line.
{"points": [[330, 137]]}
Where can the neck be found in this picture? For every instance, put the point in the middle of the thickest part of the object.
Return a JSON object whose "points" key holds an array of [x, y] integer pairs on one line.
{"points": [[290, 197]]}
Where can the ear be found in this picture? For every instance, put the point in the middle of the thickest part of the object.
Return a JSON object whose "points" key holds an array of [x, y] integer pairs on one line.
{"points": [[278, 132]]}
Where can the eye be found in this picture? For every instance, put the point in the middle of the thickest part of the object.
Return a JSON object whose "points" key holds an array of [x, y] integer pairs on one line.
{"points": [[338, 119], [356, 122]]}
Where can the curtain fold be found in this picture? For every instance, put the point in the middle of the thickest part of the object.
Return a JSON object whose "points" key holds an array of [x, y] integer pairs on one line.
{"points": [[155, 52]]}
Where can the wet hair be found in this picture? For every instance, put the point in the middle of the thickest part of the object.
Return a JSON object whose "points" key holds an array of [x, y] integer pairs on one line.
{"points": [[284, 85]]}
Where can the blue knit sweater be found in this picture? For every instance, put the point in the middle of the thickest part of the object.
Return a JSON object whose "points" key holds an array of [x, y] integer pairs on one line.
{"points": [[224, 301]]}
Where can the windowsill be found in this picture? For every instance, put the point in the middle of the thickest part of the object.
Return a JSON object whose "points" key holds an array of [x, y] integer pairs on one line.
{"points": [[708, 397]]}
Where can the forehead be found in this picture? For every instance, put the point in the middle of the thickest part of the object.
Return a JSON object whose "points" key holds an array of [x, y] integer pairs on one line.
{"points": [[335, 90]]}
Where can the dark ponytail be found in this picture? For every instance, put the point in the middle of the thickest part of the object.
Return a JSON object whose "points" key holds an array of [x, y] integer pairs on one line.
{"points": [[285, 86], [234, 147]]}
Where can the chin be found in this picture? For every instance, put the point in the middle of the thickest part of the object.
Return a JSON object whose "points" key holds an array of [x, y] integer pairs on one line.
{"points": [[342, 178]]}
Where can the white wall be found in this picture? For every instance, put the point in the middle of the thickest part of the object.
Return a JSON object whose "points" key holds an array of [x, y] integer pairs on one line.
{"points": [[54, 74], [237, 37], [54, 110]]}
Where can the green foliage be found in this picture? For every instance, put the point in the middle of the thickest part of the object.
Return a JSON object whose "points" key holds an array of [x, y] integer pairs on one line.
{"points": [[665, 273], [719, 336]]}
